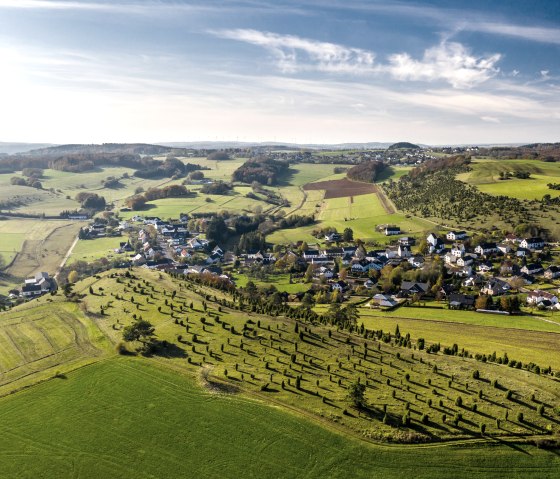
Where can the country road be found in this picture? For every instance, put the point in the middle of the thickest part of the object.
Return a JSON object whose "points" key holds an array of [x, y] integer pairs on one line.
{"points": [[66, 256]]}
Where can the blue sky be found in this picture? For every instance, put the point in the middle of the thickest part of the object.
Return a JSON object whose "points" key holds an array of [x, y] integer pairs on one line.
{"points": [[327, 71]]}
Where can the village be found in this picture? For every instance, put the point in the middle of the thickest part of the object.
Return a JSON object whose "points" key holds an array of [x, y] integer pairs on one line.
{"points": [[494, 277]]}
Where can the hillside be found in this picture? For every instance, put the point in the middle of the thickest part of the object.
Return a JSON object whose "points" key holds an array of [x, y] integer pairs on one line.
{"points": [[403, 145]]}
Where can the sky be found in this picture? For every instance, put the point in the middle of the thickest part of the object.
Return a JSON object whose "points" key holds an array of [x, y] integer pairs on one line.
{"points": [[327, 71]]}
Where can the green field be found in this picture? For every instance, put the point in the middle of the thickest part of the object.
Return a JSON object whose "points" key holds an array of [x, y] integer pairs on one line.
{"points": [[37, 341], [361, 213], [138, 417], [91, 250], [128, 418], [485, 175], [540, 321]]}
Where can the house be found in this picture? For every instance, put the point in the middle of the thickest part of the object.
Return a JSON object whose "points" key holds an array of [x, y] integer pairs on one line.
{"points": [[522, 252], [456, 235], [461, 301], [31, 290], [407, 241], [458, 250], [504, 248], [333, 237], [417, 261], [333, 252], [552, 272], [511, 238], [403, 251], [138, 260], [435, 244], [485, 267], [310, 254], [324, 272], [538, 297], [340, 286], [408, 288], [486, 249], [532, 243], [495, 287], [392, 231], [534, 268], [369, 284], [474, 281], [466, 260], [506, 268], [450, 258], [524, 278], [384, 301]]}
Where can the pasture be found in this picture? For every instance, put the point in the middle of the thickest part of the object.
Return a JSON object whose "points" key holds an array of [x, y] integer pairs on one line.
{"points": [[133, 418], [485, 176], [91, 250]]}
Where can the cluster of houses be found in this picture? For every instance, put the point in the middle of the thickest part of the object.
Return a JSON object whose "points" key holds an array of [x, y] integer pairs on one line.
{"points": [[489, 268]]}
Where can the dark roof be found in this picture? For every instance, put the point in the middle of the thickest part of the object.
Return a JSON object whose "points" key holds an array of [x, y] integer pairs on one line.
{"points": [[30, 288], [414, 287]]}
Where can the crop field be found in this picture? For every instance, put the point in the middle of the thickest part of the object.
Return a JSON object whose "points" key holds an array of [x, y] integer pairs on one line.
{"points": [[264, 355], [341, 188], [485, 176], [392, 173], [129, 418], [38, 341]]}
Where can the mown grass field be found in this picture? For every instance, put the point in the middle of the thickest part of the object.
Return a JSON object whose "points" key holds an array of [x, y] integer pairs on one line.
{"points": [[35, 342], [539, 321], [91, 250], [133, 418], [485, 176]]}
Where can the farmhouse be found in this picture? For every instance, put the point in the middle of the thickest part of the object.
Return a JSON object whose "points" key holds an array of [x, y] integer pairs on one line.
{"points": [[40, 284], [385, 301], [532, 243], [392, 230]]}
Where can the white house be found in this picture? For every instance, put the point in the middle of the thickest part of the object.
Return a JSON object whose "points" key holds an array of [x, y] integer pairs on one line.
{"points": [[532, 243], [537, 296], [456, 235]]}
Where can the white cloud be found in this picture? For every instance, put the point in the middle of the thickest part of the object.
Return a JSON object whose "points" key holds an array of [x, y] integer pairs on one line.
{"points": [[294, 53], [490, 119], [536, 34], [545, 74], [449, 61]]}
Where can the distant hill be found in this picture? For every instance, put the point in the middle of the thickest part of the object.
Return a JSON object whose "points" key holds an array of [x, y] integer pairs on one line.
{"points": [[220, 145], [106, 148], [403, 145], [9, 148]]}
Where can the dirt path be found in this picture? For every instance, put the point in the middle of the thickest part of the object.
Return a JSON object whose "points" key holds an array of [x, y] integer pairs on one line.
{"points": [[385, 202], [66, 256]]}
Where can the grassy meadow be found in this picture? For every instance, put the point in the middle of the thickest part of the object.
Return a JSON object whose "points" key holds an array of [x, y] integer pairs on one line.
{"points": [[485, 176], [132, 418]]}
